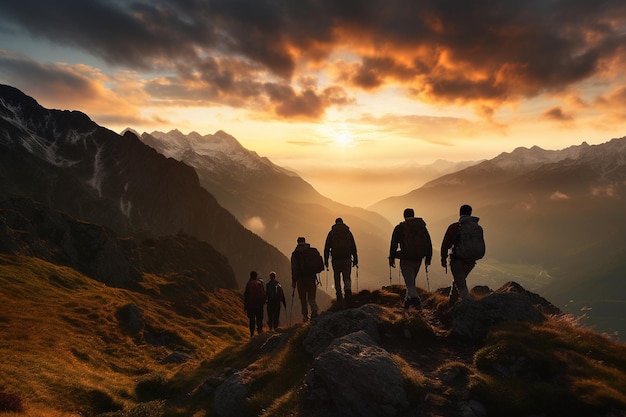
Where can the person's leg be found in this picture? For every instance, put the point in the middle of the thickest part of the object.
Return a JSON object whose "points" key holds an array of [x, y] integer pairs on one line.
{"points": [[311, 294], [270, 315], [251, 322], [409, 271], [276, 316], [337, 278], [346, 270], [302, 294], [460, 270], [259, 319]]}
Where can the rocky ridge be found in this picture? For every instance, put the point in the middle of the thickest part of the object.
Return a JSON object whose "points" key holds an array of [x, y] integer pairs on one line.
{"points": [[354, 354]]}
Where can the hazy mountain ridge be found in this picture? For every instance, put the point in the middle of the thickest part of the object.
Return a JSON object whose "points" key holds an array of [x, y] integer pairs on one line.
{"points": [[272, 201], [68, 162], [545, 208]]}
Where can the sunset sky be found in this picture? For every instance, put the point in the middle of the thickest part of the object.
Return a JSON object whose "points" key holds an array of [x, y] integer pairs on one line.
{"points": [[331, 88]]}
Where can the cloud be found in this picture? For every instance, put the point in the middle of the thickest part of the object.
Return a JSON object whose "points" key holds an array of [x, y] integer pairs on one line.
{"points": [[557, 114], [75, 87], [484, 53], [255, 224], [557, 196]]}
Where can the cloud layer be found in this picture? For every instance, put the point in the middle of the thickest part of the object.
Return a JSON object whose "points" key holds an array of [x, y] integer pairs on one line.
{"points": [[296, 59]]}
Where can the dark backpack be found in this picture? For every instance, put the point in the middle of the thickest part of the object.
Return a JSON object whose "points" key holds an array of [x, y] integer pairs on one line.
{"points": [[256, 293], [341, 242], [274, 292], [415, 240], [310, 261], [469, 244]]}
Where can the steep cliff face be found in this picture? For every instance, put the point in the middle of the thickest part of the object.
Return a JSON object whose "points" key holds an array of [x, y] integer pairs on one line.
{"points": [[68, 162], [33, 229]]}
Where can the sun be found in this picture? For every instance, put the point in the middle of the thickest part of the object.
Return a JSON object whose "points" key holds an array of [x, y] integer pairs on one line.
{"points": [[344, 140]]}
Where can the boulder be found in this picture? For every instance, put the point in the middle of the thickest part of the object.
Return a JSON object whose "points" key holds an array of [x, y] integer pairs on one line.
{"points": [[473, 318], [329, 327], [358, 377]]}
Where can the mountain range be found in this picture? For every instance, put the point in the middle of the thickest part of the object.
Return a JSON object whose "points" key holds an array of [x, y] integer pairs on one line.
{"points": [[67, 162], [559, 210], [553, 219], [275, 203]]}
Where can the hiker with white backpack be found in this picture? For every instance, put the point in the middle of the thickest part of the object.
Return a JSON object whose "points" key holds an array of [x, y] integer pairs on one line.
{"points": [[466, 240]]}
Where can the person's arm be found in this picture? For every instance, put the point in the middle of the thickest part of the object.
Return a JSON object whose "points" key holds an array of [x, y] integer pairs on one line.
{"points": [[447, 243], [327, 246], [355, 257], [429, 254], [395, 241]]}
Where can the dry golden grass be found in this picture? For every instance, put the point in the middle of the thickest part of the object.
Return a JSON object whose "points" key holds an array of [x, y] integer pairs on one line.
{"points": [[64, 352]]}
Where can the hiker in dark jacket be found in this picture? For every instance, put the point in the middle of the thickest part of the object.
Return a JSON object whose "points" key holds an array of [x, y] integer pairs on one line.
{"points": [[306, 283], [414, 241], [275, 296], [254, 301], [341, 246], [460, 268]]}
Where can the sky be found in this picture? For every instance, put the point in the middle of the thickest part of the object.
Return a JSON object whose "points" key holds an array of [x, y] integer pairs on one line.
{"points": [[350, 94]]}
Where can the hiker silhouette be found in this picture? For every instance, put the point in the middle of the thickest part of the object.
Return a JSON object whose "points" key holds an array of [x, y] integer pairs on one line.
{"points": [[465, 238], [304, 276], [413, 238], [275, 296], [254, 301], [341, 248]]}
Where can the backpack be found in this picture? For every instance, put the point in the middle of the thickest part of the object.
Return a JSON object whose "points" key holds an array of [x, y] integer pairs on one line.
{"points": [[256, 293], [341, 242], [274, 292], [415, 240], [310, 261], [470, 242]]}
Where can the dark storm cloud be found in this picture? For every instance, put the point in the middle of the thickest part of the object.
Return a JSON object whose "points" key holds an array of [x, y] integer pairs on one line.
{"points": [[484, 51]]}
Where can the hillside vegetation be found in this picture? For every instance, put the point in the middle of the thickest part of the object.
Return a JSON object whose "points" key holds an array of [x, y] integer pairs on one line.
{"points": [[72, 346]]}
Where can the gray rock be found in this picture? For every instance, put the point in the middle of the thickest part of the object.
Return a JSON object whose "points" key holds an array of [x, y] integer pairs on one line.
{"points": [[231, 395], [329, 327], [358, 377], [473, 318]]}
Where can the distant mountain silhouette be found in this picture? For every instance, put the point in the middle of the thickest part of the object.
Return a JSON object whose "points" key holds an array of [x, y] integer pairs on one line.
{"points": [[560, 209], [274, 202], [69, 163]]}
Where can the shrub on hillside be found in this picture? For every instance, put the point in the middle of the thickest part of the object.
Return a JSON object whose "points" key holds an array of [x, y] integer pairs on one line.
{"points": [[10, 402]]}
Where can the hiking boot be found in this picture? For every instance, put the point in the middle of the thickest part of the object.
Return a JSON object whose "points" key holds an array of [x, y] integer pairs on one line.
{"points": [[340, 297], [305, 318], [348, 295], [412, 302], [314, 314]]}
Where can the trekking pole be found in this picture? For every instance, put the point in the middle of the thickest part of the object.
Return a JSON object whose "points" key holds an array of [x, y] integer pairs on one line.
{"points": [[390, 276], [427, 280], [357, 279], [326, 279]]}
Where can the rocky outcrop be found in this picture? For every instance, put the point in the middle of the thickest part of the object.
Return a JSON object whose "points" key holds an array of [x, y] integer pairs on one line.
{"points": [[355, 368], [511, 302], [29, 228], [356, 377], [191, 266]]}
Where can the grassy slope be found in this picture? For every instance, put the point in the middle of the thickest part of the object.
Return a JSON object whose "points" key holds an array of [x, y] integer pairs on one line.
{"points": [[62, 348], [63, 352]]}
